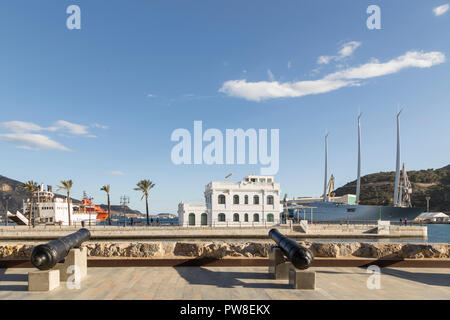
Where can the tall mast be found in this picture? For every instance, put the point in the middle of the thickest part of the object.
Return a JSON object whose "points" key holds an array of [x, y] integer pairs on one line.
{"points": [[326, 169], [358, 179], [397, 169]]}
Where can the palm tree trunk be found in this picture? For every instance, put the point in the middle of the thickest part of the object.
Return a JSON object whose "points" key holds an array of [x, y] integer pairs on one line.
{"points": [[109, 211], [146, 208], [68, 207]]}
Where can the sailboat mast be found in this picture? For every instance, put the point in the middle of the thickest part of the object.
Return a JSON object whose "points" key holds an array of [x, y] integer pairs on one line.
{"points": [[326, 169], [358, 179], [397, 169]]}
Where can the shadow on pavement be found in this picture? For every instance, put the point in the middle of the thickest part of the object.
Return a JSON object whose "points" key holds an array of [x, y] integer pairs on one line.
{"points": [[225, 279], [12, 277], [433, 279]]}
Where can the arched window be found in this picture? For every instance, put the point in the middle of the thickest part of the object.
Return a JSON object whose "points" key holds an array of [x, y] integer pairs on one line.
{"points": [[255, 200], [204, 219], [246, 217], [255, 217], [270, 217], [236, 217], [221, 217], [246, 199], [191, 219], [269, 199], [221, 199], [235, 199]]}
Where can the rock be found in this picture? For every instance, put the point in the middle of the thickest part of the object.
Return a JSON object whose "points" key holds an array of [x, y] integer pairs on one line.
{"points": [[260, 249]]}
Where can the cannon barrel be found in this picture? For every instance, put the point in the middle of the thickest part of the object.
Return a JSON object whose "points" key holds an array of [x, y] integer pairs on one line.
{"points": [[300, 256], [46, 256]]}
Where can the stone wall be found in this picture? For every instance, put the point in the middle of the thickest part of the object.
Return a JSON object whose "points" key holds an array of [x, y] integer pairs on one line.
{"points": [[185, 249]]}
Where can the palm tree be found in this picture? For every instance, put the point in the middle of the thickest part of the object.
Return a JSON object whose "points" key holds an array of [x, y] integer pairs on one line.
{"points": [[145, 186], [67, 185], [106, 189], [30, 187]]}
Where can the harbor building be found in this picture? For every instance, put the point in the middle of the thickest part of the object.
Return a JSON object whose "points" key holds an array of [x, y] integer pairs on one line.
{"points": [[254, 201], [49, 209]]}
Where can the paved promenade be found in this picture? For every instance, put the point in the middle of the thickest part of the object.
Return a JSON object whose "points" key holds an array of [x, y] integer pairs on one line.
{"points": [[234, 283]]}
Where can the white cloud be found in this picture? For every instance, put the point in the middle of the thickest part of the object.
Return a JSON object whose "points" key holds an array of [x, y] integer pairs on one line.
{"points": [[261, 90], [289, 64], [21, 126], [73, 128], [116, 173], [270, 75], [32, 141], [346, 50], [438, 11], [100, 126], [22, 133], [151, 95]]}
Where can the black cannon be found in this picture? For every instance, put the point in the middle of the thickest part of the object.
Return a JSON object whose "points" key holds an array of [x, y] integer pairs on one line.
{"points": [[46, 256], [300, 256]]}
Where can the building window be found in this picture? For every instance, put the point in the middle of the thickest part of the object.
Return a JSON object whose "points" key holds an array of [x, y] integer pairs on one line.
{"points": [[270, 217], [246, 217], [255, 200], [269, 180], [191, 219], [236, 199], [236, 217], [269, 199], [256, 217], [246, 199], [204, 219], [221, 199], [221, 217]]}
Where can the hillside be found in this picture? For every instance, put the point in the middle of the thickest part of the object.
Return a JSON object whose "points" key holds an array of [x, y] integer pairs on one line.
{"points": [[378, 188], [13, 188]]}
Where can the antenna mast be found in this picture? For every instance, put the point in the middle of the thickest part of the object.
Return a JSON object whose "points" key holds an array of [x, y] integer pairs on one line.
{"points": [[358, 179], [397, 168], [325, 182]]}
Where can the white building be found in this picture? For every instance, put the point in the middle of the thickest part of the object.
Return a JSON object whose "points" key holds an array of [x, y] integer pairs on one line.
{"points": [[47, 209], [255, 201]]}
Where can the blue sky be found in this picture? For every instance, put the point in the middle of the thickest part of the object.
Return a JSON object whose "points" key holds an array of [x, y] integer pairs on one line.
{"points": [[98, 105]]}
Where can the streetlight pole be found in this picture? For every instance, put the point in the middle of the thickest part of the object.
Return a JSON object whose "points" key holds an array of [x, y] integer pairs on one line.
{"points": [[124, 200]]}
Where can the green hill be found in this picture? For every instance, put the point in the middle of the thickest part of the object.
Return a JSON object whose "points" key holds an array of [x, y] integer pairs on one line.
{"points": [[378, 188]]}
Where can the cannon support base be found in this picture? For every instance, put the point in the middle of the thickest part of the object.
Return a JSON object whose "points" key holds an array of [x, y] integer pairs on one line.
{"points": [[300, 279], [43, 280], [278, 265], [75, 264]]}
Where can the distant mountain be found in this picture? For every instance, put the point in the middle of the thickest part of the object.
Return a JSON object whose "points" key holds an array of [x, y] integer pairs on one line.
{"points": [[14, 189], [378, 188]]}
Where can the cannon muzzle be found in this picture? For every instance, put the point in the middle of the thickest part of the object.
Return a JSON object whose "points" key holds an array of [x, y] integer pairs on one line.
{"points": [[46, 256], [300, 256]]}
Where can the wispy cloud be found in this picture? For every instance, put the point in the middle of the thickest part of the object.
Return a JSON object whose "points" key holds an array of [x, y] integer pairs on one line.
{"points": [[438, 11], [72, 128], [116, 173], [345, 51], [23, 134], [261, 90], [32, 141], [270, 75], [21, 126], [99, 126]]}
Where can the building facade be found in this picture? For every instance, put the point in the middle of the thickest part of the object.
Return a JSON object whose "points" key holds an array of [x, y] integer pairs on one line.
{"points": [[254, 201]]}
